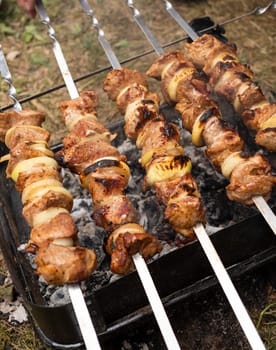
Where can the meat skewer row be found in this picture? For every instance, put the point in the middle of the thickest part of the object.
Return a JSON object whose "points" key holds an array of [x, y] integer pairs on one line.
{"points": [[183, 86], [235, 81], [205, 242], [162, 156], [88, 152], [46, 203]]}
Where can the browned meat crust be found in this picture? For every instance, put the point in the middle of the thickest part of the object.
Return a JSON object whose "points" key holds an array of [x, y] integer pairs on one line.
{"points": [[60, 264], [10, 119], [118, 79], [251, 178], [60, 226]]}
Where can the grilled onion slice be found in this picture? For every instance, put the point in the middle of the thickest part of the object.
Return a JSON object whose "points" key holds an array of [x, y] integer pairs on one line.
{"points": [[176, 150], [165, 70], [32, 162], [167, 167], [197, 131], [40, 191], [110, 164], [73, 118], [43, 147], [230, 163], [179, 75], [4, 158], [66, 242], [269, 123], [31, 190], [47, 215]]}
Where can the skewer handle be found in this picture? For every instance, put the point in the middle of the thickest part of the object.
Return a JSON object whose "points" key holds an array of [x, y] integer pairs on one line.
{"points": [[183, 24], [6, 75], [145, 29], [229, 289], [69, 82], [101, 36]]}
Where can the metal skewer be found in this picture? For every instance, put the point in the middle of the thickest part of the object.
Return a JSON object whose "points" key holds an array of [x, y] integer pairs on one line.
{"points": [[255, 12], [259, 201], [74, 290], [139, 262], [78, 302], [206, 244], [141, 267]]}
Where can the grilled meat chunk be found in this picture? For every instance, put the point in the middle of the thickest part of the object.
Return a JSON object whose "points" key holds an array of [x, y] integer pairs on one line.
{"points": [[206, 48], [10, 119], [60, 227], [220, 141], [127, 240], [118, 80], [60, 264], [25, 133], [114, 211], [251, 178], [179, 78]]}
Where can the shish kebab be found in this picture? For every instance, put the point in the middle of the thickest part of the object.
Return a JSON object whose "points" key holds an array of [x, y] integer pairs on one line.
{"points": [[143, 273], [248, 94], [127, 239], [46, 205], [233, 297], [161, 152]]}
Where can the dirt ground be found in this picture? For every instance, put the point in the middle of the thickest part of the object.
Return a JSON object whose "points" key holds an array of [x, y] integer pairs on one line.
{"points": [[34, 70]]}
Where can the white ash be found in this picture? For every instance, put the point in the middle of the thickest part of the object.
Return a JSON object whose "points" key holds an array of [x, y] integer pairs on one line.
{"points": [[11, 309], [59, 296], [15, 311]]}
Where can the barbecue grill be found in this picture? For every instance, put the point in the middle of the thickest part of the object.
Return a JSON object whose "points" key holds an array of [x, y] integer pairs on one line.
{"points": [[244, 242]]}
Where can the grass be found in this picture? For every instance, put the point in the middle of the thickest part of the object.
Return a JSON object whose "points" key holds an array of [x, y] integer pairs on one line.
{"points": [[33, 67], [21, 337], [267, 324]]}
